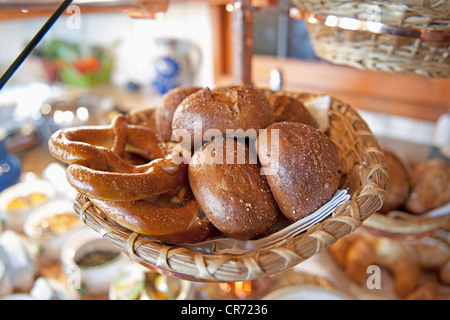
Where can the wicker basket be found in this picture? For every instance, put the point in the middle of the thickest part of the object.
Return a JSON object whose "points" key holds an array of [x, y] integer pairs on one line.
{"points": [[366, 177], [402, 223], [414, 54]]}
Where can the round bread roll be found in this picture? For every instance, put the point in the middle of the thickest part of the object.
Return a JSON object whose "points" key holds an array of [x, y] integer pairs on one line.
{"points": [[164, 112], [430, 187], [227, 183], [231, 111], [302, 168], [286, 108], [398, 187]]}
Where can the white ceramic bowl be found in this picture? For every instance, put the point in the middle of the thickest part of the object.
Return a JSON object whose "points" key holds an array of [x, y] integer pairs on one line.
{"points": [[135, 282], [5, 283], [20, 257], [91, 278], [50, 226], [52, 289], [15, 218]]}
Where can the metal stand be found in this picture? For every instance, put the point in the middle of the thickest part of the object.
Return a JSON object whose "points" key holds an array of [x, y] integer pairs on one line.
{"points": [[243, 42]]}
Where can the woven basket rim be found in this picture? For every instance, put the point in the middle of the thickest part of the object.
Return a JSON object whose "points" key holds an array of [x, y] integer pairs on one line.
{"points": [[402, 223], [366, 178]]}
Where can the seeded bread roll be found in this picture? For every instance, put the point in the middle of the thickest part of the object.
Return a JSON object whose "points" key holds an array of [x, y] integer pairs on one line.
{"points": [[398, 186], [302, 168], [222, 112], [169, 103], [231, 190], [289, 109]]}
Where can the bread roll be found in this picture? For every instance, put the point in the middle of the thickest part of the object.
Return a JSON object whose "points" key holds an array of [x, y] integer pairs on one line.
{"points": [[304, 167], [169, 103], [398, 186], [286, 108], [231, 190], [222, 109], [430, 186]]}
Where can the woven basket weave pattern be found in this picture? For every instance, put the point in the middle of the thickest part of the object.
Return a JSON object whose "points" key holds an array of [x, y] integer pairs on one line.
{"points": [[382, 52], [407, 13], [378, 52]]}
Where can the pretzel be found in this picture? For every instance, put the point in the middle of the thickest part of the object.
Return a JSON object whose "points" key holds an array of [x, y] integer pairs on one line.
{"points": [[171, 224], [143, 117], [98, 165]]}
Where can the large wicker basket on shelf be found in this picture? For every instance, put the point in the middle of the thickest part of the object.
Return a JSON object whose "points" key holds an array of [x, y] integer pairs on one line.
{"points": [[405, 36], [363, 163]]}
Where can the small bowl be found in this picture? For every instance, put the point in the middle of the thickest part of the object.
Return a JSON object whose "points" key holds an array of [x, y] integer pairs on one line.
{"points": [[5, 283], [90, 262], [134, 282], [17, 201], [52, 289], [20, 257], [50, 226]]}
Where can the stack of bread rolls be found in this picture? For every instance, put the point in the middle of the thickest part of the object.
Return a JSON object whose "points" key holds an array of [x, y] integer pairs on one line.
{"points": [[260, 156]]}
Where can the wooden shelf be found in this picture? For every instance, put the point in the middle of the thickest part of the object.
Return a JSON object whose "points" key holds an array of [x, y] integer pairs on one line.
{"points": [[11, 10], [411, 96], [35, 13]]}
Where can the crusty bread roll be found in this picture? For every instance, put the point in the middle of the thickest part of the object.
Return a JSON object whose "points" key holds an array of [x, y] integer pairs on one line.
{"points": [[304, 167], [231, 190], [286, 108], [169, 103], [430, 187], [222, 109], [398, 186]]}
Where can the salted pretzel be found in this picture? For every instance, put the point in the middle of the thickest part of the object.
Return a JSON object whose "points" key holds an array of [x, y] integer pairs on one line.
{"points": [[181, 223], [98, 165], [143, 117]]}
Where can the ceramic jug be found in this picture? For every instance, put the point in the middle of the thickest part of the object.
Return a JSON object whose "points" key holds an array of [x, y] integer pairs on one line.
{"points": [[174, 64], [9, 165]]}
